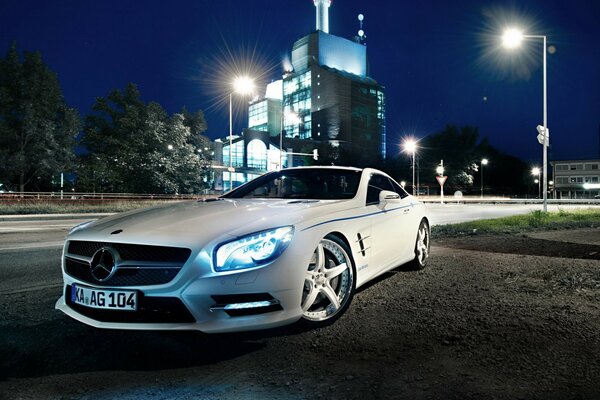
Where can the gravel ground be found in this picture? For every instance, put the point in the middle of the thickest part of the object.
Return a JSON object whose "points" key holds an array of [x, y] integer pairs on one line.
{"points": [[488, 318]]}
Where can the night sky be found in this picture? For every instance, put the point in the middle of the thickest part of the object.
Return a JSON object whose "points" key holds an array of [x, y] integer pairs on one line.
{"points": [[440, 61]]}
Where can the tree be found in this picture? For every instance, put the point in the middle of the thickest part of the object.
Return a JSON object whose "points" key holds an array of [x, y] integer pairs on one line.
{"points": [[462, 152], [138, 148], [37, 128]]}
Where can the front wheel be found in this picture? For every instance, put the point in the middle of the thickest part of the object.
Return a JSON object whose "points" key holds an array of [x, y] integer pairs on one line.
{"points": [[421, 247], [329, 283]]}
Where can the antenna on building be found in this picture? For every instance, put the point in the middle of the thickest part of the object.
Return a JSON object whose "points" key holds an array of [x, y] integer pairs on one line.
{"points": [[361, 33], [322, 14]]}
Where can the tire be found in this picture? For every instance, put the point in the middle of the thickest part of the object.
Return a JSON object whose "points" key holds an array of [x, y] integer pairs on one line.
{"points": [[422, 246], [329, 283]]}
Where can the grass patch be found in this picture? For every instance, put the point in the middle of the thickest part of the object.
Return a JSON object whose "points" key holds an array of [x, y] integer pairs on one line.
{"points": [[534, 221], [75, 207]]}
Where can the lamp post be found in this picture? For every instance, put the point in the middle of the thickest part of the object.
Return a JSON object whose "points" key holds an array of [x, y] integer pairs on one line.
{"points": [[536, 172], [441, 179], [484, 161], [410, 146], [511, 39], [241, 85]]}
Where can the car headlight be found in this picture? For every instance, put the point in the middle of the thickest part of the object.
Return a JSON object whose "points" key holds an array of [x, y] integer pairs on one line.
{"points": [[80, 226], [252, 250]]}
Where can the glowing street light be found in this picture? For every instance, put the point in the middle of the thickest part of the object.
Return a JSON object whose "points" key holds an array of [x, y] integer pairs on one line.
{"points": [[484, 161], [243, 86], [536, 172], [410, 146], [511, 39]]}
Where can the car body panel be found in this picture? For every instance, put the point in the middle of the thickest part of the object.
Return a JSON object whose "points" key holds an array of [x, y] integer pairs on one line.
{"points": [[379, 236]]}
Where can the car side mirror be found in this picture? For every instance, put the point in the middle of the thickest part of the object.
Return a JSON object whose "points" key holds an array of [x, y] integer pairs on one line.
{"points": [[386, 195]]}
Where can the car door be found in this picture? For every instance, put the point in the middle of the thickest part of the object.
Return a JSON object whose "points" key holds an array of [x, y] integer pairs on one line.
{"points": [[391, 224]]}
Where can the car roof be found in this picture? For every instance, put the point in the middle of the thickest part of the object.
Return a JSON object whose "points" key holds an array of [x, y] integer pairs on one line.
{"points": [[324, 167]]}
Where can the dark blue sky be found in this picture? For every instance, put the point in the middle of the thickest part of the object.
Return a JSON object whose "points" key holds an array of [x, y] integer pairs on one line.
{"points": [[440, 61]]}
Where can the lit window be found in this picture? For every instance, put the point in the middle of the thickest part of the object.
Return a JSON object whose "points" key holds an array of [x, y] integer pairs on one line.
{"points": [[257, 154]]}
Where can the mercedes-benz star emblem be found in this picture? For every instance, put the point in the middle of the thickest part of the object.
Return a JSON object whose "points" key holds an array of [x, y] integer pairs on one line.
{"points": [[104, 264]]}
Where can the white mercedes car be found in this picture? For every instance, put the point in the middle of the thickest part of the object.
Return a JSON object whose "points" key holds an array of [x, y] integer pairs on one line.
{"points": [[292, 245]]}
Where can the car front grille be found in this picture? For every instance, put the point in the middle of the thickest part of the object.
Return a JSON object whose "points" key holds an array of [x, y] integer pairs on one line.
{"points": [[138, 265], [150, 310]]}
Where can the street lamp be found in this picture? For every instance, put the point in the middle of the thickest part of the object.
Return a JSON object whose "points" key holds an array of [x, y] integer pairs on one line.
{"points": [[511, 39], [484, 161], [410, 146], [441, 179], [241, 85], [536, 172]]}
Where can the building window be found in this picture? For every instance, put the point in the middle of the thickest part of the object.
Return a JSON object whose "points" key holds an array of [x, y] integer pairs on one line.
{"points": [[576, 179], [297, 99], [562, 167], [562, 180], [237, 154], [258, 116], [257, 154], [576, 167]]}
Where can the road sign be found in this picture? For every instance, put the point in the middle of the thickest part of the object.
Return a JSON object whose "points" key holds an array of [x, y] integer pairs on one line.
{"points": [[441, 180]]}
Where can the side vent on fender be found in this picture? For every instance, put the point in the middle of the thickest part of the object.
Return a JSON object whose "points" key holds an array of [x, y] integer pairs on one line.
{"points": [[363, 249]]}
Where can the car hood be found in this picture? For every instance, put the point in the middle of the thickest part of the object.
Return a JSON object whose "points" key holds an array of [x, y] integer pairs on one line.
{"points": [[195, 223]]}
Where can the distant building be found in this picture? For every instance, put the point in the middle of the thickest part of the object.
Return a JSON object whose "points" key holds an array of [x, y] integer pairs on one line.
{"points": [[326, 101], [576, 179], [332, 99], [252, 154]]}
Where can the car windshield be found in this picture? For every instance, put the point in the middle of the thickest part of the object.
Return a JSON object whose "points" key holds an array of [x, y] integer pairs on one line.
{"points": [[310, 183]]}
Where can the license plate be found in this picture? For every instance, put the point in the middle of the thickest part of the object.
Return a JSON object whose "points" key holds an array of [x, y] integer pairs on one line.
{"points": [[104, 299]]}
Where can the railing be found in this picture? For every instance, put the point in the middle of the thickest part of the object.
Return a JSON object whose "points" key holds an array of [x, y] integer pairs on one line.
{"points": [[13, 197], [77, 197], [503, 200]]}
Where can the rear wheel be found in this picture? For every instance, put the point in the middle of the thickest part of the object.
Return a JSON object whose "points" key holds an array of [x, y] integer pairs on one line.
{"points": [[329, 283], [421, 247]]}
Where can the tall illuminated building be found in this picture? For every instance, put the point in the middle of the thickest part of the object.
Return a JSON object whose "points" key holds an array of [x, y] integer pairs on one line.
{"points": [[326, 100], [329, 89]]}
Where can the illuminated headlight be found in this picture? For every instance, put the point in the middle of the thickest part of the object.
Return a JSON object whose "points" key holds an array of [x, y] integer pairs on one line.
{"points": [[253, 250], [79, 227]]}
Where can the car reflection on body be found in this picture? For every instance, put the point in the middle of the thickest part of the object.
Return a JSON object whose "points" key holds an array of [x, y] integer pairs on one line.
{"points": [[292, 245]]}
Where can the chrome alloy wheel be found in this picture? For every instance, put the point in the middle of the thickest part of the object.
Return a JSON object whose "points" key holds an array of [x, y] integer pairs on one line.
{"points": [[329, 282], [422, 247]]}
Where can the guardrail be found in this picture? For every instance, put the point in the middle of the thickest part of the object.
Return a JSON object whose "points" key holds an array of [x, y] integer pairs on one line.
{"points": [[32, 197], [504, 200], [14, 197]]}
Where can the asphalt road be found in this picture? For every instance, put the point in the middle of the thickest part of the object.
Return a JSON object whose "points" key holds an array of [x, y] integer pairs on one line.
{"points": [[30, 250], [30, 283]]}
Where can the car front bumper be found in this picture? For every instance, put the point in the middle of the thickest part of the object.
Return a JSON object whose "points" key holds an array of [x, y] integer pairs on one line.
{"points": [[200, 299]]}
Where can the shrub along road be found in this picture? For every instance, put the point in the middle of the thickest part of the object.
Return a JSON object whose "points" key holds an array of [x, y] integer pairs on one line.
{"points": [[474, 324]]}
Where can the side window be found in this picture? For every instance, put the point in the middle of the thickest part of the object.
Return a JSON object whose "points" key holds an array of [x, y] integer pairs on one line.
{"points": [[377, 183], [398, 189]]}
